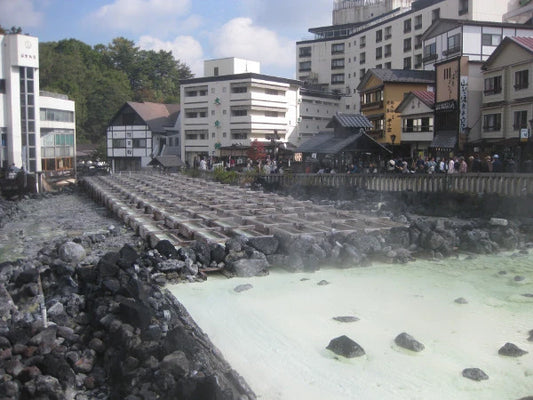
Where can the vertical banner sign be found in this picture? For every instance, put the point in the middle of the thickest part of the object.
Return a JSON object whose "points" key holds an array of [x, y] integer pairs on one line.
{"points": [[463, 104]]}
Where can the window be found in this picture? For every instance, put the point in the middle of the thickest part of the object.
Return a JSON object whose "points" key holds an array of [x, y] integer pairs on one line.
{"points": [[305, 51], [407, 44], [273, 92], [199, 134], [362, 58], [2, 85], [435, 14], [407, 63], [418, 61], [418, 41], [119, 143], [463, 7], [521, 79], [430, 52], [493, 85], [520, 120], [48, 114], [379, 36], [362, 42], [305, 66], [372, 98], [489, 39], [196, 113], [361, 73], [271, 114], [215, 72], [239, 113], [407, 25], [337, 63], [139, 143], [337, 48], [388, 32], [239, 89], [417, 124], [388, 50], [418, 22], [239, 134], [337, 78], [388, 65], [379, 66], [454, 44], [492, 122], [379, 53]]}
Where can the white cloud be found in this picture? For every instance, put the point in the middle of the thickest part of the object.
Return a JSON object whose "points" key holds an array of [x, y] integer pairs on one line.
{"points": [[139, 15], [19, 13], [241, 38], [184, 48]]}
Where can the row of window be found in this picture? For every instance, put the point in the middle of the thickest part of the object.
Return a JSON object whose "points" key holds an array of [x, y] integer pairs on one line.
{"points": [[135, 143], [48, 114], [493, 85], [240, 88], [236, 134], [493, 122], [418, 124], [234, 113]]}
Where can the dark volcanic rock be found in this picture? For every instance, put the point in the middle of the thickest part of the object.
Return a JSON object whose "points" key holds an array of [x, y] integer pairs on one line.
{"points": [[346, 347], [323, 283], [249, 267], [265, 244], [461, 300], [408, 342], [530, 338], [167, 249], [475, 374], [511, 350], [347, 318], [242, 288], [71, 252]]}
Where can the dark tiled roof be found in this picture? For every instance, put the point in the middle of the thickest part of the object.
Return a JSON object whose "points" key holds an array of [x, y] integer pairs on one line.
{"points": [[404, 75], [328, 143], [316, 142], [156, 115], [428, 98], [445, 140], [350, 121], [524, 41]]}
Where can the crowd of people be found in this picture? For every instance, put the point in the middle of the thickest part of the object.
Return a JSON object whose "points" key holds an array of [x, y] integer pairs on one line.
{"points": [[453, 165]]}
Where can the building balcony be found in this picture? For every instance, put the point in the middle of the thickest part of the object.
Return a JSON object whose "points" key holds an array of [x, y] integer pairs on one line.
{"points": [[491, 92], [372, 106], [453, 50], [430, 57]]}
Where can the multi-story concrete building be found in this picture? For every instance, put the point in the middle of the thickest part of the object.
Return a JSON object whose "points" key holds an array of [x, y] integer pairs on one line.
{"points": [[416, 110], [58, 132], [379, 34], [456, 49], [19, 102], [38, 129], [382, 91], [234, 105], [141, 131], [507, 103]]}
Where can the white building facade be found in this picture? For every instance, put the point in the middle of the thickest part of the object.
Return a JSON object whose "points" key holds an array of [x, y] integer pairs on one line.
{"points": [[378, 34], [233, 107], [19, 102], [58, 132]]}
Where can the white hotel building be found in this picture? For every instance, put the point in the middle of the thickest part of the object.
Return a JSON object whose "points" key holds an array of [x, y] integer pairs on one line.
{"points": [[234, 104], [37, 129], [380, 34]]}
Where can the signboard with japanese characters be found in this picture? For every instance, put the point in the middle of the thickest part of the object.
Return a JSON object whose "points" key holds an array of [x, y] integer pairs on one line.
{"points": [[524, 135], [463, 104]]}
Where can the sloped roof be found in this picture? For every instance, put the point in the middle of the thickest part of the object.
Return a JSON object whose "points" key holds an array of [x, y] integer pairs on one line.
{"points": [[168, 161], [426, 97], [350, 121], [156, 115], [328, 143], [398, 76], [526, 42], [445, 140]]}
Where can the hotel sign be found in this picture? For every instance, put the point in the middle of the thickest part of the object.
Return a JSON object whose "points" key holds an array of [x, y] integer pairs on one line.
{"points": [[448, 105]]}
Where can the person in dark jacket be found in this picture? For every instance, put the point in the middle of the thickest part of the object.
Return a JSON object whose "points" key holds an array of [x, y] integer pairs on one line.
{"points": [[497, 165]]}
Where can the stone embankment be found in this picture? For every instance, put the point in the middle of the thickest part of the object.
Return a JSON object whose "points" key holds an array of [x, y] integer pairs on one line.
{"points": [[71, 330]]}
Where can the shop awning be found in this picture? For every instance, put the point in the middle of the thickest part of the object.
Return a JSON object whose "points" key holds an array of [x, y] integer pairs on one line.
{"points": [[444, 140]]}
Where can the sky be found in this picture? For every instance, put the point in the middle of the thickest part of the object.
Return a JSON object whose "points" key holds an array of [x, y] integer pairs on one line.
{"points": [[194, 30]]}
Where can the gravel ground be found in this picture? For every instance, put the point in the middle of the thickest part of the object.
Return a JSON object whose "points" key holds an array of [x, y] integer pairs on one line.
{"points": [[49, 217]]}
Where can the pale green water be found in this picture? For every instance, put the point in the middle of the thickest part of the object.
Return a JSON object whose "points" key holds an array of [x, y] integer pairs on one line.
{"points": [[276, 333]]}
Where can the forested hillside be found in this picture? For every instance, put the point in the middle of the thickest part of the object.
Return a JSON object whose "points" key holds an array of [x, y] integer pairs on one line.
{"points": [[101, 78]]}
